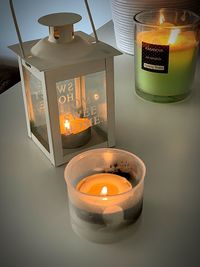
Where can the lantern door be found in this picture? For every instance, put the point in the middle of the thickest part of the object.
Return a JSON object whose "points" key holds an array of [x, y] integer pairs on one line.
{"points": [[34, 93], [78, 106]]}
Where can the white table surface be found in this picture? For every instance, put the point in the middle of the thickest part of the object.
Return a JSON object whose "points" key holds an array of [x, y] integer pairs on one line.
{"points": [[35, 228]]}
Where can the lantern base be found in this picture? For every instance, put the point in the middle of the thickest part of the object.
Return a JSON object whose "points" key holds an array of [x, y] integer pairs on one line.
{"points": [[40, 132], [162, 99], [76, 140]]}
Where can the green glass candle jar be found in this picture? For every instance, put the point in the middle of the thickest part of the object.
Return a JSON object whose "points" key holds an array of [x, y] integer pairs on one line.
{"points": [[166, 48]]}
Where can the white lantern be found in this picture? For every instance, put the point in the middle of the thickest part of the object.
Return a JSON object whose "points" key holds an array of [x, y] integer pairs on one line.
{"points": [[68, 88]]}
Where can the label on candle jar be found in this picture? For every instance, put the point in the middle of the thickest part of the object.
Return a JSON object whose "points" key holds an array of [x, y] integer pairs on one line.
{"points": [[155, 58]]}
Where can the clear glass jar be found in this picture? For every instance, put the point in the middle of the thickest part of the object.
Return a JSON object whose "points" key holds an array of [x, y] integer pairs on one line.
{"points": [[166, 49]]}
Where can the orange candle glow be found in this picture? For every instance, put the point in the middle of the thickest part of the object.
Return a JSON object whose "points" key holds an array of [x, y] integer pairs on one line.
{"points": [[104, 184], [73, 125], [75, 131]]}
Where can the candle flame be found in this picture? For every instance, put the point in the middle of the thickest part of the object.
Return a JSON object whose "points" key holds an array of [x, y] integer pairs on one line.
{"points": [[162, 18], [173, 36], [104, 191], [67, 125]]}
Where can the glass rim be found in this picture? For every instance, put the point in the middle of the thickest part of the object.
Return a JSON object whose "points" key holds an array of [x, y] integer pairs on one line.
{"points": [[86, 153], [137, 21]]}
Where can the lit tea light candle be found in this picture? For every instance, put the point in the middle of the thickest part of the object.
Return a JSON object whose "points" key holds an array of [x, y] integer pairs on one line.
{"points": [[103, 204], [104, 184], [165, 59], [75, 131], [106, 203]]}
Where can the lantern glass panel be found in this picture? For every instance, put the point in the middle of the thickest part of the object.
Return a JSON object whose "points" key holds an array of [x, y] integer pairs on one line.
{"points": [[36, 108], [82, 108]]}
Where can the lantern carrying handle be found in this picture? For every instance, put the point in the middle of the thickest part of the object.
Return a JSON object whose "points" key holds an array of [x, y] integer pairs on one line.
{"points": [[91, 20], [17, 28]]}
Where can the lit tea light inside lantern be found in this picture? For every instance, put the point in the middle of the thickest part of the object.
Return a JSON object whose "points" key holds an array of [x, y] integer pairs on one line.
{"points": [[165, 59], [75, 131], [70, 124]]}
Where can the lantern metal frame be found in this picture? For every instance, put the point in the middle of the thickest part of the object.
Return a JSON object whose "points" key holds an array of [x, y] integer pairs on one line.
{"points": [[51, 73]]}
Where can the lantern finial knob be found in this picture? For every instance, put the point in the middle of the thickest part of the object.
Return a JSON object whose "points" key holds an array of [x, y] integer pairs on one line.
{"points": [[60, 25]]}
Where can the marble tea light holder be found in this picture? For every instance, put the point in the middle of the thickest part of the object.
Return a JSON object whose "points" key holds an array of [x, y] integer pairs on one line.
{"points": [[166, 49], [105, 190]]}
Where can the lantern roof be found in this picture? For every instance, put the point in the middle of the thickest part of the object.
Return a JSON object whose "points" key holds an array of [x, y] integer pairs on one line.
{"points": [[45, 55], [63, 46], [59, 19]]}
